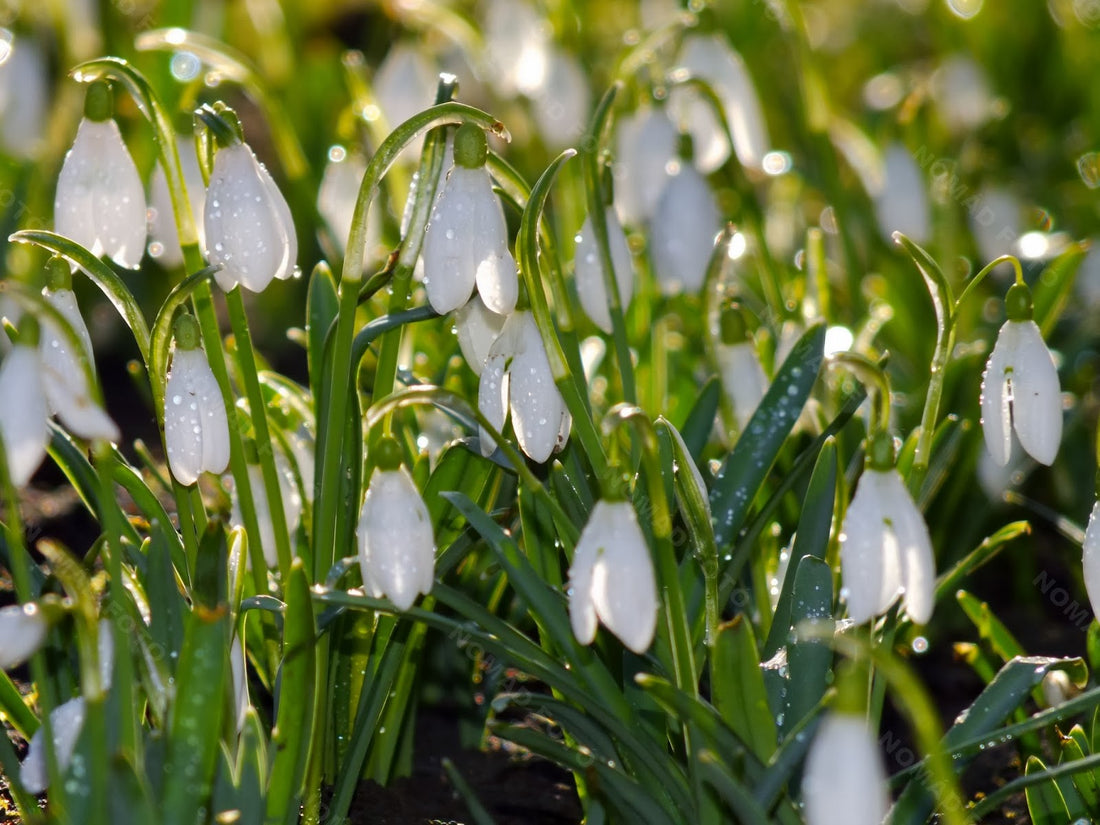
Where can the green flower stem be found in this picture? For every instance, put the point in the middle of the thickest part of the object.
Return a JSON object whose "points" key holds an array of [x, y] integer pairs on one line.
{"points": [[871, 374], [330, 444], [257, 409]]}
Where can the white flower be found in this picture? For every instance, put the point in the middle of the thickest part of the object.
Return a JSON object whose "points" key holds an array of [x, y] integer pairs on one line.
{"points": [[24, 95], [612, 578], [66, 722], [404, 85], [517, 47], [23, 630], [591, 288], [1090, 560], [844, 782], [477, 328], [68, 395], [23, 413], [683, 230], [336, 202], [100, 201], [466, 245], [902, 205], [995, 223], [165, 241], [646, 145], [396, 545], [885, 550], [517, 378], [743, 378], [291, 499], [249, 230], [561, 104], [196, 428], [962, 92], [1021, 394], [239, 672]]}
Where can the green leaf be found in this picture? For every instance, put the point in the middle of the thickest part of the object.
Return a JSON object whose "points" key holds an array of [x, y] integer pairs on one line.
{"points": [[1044, 801], [700, 420], [1086, 783], [322, 306], [808, 660], [737, 688], [1055, 284], [939, 289], [989, 627]]}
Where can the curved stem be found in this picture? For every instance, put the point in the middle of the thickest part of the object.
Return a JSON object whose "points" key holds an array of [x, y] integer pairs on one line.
{"points": [[870, 373]]}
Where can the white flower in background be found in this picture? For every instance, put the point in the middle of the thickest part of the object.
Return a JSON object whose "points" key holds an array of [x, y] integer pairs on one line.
{"points": [[303, 446], [885, 550], [517, 378], [612, 580], [1088, 276], [561, 104], [196, 428], [336, 202], [997, 479], [739, 368], [239, 672], [591, 287], [23, 411], [100, 201], [288, 492], [961, 91], [517, 47], [845, 781], [682, 232], [902, 205], [23, 631], [646, 145], [466, 240], [66, 722], [164, 243], [710, 58], [995, 223], [24, 95], [478, 328], [396, 544], [405, 84], [1090, 560], [1020, 389], [68, 395], [249, 229]]}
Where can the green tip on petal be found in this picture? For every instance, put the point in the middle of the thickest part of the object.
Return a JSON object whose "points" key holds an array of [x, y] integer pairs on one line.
{"points": [[28, 331], [186, 330], [58, 274], [880, 452], [99, 104], [686, 148], [1018, 306], [732, 325], [387, 455], [471, 146]]}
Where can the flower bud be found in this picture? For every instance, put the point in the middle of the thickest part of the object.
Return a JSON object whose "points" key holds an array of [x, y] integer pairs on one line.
{"points": [[66, 722], [23, 410], [23, 631], [844, 782], [683, 230], [591, 285]]}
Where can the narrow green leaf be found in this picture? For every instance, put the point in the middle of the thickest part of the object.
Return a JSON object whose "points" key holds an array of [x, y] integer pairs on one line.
{"points": [[990, 628], [322, 306], [700, 420], [1055, 285], [1045, 804], [808, 660], [949, 581], [1086, 782], [737, 688]]}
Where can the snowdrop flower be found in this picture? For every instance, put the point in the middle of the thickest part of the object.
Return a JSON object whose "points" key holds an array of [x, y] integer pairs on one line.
{"points": [[646, 147], [995, 222], [845, 781], [478, 328], [24, 95], [562, 102], [591, 286], [962, 93], [404, 85], [1020, 389], [336, 202], [683, 230], [288, 492], [23, 410], [64, 380], [612, 578], [396, 544], [100, 201], [1088, 277], [23, 630], [165, 243], [249, 229], [196, 428], [902, 205], [885, 549], [739, 367], [1091, 558], [517, 378], [66, 722], [517, 47], [466, 241]]}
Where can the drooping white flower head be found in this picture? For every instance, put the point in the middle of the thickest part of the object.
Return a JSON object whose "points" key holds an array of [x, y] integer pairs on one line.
{"points": [[23, 410], [24, 95], [196, 428], [238, 670], [289, 494], [561, 104], [682, 232], [404, 85], [646, 145], [1020, 389], [100, 201], [1090, 560], [995, 222], [396, 544], [23, 630], [249, 229], [517, 47], [739, 368], [466, 240], [477, 328], [64, 380], [612, 580], [962, 94], [164, 243], [517, 378], [336, 202], [885, 550], [66, 722], [591, 287], [902, 204], [845, 781]]}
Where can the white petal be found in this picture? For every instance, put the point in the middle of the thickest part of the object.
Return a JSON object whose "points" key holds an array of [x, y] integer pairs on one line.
{"points": [[239, 672], [23, 413], [591, 288], [862, 550], [844, 782], [903, 204], [66, 722], [517, 43], [683, 229], [246, 222], [492, 400], [477, 328], [534, 400], [1036, 394], [24, 98], [100, 201], [396, 545], [404, 84], [454, 243], [582, 610], [624, 589], [918, 564], [742, 377], [164, 243], [336, 202], [995, 400], [22, 631], [196, 428], [962, 93], [1090, 560], [497, 282], [647, 143], [561, 104]]}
